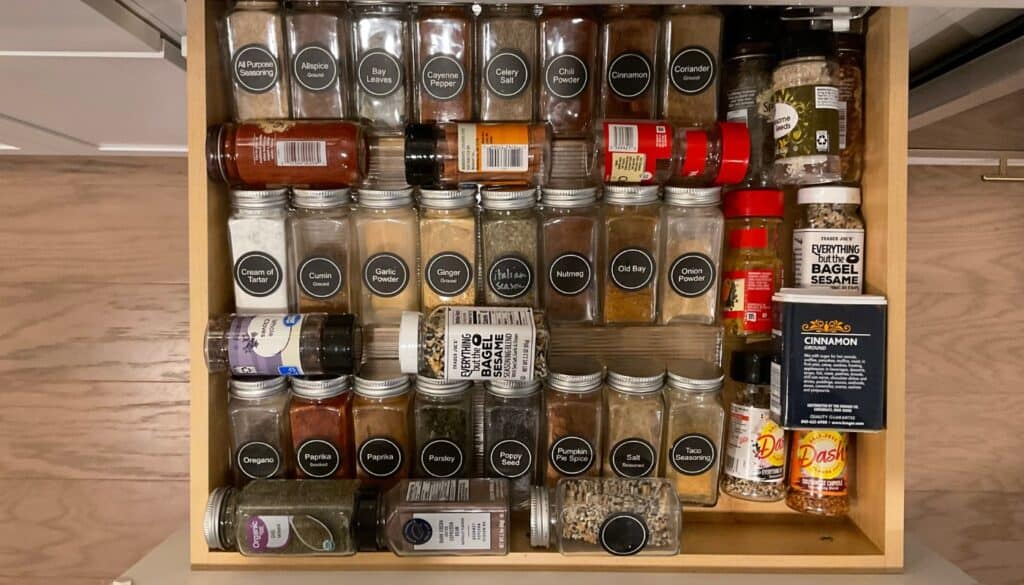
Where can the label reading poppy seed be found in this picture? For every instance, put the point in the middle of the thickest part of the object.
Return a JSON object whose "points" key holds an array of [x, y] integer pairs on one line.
{"points": [[510, 458]]}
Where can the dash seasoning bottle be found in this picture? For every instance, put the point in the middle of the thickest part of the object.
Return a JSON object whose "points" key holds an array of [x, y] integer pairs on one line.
{"points": [[321, 421], [444, 62], [507, 41], [381, 58], [320, 246], [448, 247], [387, 245], [694, 427], [629, 245], [318, 49], [488, 153], [254, 45], [818, 473], [258, 424], [691, 255], [691, 41], [634, 415], [382, 424], [569, 75], [752, 268], [512, 419], [569, 245], [574, 412], [443, 428], [629, 60], [508, 246], [259, 251]]}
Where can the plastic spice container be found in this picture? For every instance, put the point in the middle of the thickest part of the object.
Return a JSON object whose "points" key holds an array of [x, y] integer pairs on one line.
{"points": [[443, 428], [320, 154], [318, 48], [382, 424], [488, 153], [508, 246], [621, 517], [806, 99], [629, 60], [752, 268], [691, 41], [254, 45], [755, 459], [691, 255], [258, 425], [380, 41], [574, 412], [694, 427], [387, 244], [321, 421], [444, 62], [320, 245], [569, 243], [507, 40], [634, 418], [850, 59], [512, 415], [259, 251], [828, 239], [447, 247], [819, 473], [568, 82], [629, 246]]}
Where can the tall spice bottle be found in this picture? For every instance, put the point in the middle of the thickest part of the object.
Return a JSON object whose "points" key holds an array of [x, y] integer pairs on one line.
{"points": [[512, 414], [691, 40], [382, 424], [255, 49], [574, 410], [259, 251], [629, 61], [387, 243], [819, 472], [630, 243], [634, 416], [443, 427], [508, 241], [318, 49], [752, 268], [448, 247], [691, 255], [321, 422], [694, 427], [569, 48], [445, 56], [380, 55], [507, 41], [320, 246], [569, 246], [258, 425]]}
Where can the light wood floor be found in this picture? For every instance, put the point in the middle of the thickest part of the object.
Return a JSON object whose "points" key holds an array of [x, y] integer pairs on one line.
{"points": [[93, 325]]}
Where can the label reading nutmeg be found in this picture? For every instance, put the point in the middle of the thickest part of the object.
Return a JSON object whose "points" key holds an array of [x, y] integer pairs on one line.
{"points": [[570, 274]]}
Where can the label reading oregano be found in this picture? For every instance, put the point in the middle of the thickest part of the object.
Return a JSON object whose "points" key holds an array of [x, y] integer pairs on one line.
{"points": [[510, 277], [449, 274], [320, 277], [806, 121], [380, 73], [633, 458], [258, 274], [692, 70], [692, 274], [315, 68], [255, 68], [258, 460], [318, 458], [507, 74], [572, 455], [632, 268], [380, 457], [629, 75], [385, 274], [443, 77], [566, 76]]}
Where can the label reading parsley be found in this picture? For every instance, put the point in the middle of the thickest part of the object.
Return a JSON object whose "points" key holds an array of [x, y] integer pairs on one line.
{"points": [[441, 458]]}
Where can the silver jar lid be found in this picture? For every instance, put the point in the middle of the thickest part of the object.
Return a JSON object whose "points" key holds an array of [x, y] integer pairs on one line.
{"points": [[512, 388], [448, 198], [321, 198], [436, 387], [694, 375], [320, 387], [256, 388], [575, 374], [211, 519], [829, 194], [385, 198], [693, 196], [503, 198], [631, 194], [381, 379], [636, 375], [258, 198], [540, 517], [569, 197]]}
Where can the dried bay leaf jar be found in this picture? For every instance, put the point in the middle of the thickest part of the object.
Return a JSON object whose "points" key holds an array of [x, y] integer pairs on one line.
{"points": [[574, 413], [694, 428], [508, 246], [382, 424], [569, 247], [320, 246], [448, 247], [254, 46], [381, 60], [629, 60], [693, 229], [507, 81], [634, 417], [259, 429], [443, 427], [629, 246], [318, 48], [321, 422], [259, 251], [444, 62], [387, 244], [512, 420]]}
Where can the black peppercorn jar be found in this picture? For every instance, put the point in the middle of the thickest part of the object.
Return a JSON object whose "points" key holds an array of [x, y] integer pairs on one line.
{"points": [[443, 423], [512, 435]]}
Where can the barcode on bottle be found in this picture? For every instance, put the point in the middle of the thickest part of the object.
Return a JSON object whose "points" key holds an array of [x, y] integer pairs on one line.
{"points": [[504, 157], [623, 138], [301, 153], [448, 490], [842, 125]]}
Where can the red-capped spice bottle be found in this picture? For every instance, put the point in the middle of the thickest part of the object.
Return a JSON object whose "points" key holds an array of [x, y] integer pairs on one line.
{"points": [[752, 269], [653, 152], [818, 473]]}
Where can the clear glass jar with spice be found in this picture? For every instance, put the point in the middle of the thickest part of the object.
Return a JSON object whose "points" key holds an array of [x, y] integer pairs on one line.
{"points": [[574, 413], [850, 61], [512, 415], [382, 424], [694, 427], [634, 418], [629, 245], [569, 37], [629, 60], [819, 473], [691, 41], [752, 268], [387, 244], [693, 231], [259, 251], [828, 240], [444, 62], [259, 429], [254, 45], [448, 247], [507, 41], [488, 153], [320, 246], [381, 58], [508, 246], [320, 414], [443, 423], [318, 48], [569, 246]]}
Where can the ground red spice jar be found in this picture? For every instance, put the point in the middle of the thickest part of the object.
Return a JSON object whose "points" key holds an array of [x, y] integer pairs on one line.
{"points": [[752, 268], [321, 419], [568, 75]]}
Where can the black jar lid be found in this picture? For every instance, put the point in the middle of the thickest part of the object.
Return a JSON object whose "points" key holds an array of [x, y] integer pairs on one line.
{"points": [[421, 164], [751, 30], [365, 520], [751, 366], [341, 344], [799, 44]]}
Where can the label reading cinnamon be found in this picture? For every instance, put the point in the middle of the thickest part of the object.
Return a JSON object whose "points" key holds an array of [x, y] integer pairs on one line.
{"points": [[629, 75]]}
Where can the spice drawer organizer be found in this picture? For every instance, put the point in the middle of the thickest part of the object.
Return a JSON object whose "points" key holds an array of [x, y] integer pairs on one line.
{"points": [[734, 535]]}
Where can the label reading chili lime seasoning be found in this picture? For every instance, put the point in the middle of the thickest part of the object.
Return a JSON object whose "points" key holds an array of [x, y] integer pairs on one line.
{"points": [[632, 151], [818, 463], [806, 121]]}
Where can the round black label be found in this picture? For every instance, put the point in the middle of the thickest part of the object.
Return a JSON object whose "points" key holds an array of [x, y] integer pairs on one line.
{"points": [[318, 458], [632, 269], [441, 458], [380, 73], [258, 274], [692, 274], [566, 76], [624, 534], [449, 274], [511, 458], [629, 75], [385, 274], [510, 277], [380, 457], [692, 70], [571, 455], [443, 77], [507, 74], [633, 458], [255, 68], [320, 277], [570, 274], [315, 68], [693, 454], [417, 531], [258, 460]]}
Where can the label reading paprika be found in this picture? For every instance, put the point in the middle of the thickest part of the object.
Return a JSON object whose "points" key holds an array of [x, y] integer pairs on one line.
{"points": [[633, 151], [757, 446], [806, 121], [818, 462], [494, 148]]}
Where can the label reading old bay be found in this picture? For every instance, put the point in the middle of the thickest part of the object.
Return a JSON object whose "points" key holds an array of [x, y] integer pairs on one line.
{"points": [[258, 274], [566, 76], [571, 455], [258, 460], [441, 458], [320, 277], [315, 68], [507, 74], [443, 77], [318, 458], [632, 268], [380, 73], [385, 274], [510, 458], [255, 68], [629, 75], [449, 273], [692, 70], [510, 277], [692, 274], [633, 458], [380, 457], [570, 274]]}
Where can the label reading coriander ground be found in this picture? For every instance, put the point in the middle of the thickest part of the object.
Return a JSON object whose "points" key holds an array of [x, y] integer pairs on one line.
{"points": [[443, 77], [255, 68], [571, 455], [441, 458], [258, 274], [511, 459], [507, 74], [624, 534], [380, 73], [629, 75], [692, 70], [510, 277], [380, 457], [806, 121], [632, 268], [318, 458], [494, 343], [449, 274], [566, 76], [829, 259], [692, 274], [570, 274], [258, 460], [315, 68], [693, 454], [633, 458], [320, 277], [385, 274]]}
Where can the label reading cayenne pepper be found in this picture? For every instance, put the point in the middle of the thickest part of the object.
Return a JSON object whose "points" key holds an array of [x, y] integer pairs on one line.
{"points": [[818, 462], [632, 151]]}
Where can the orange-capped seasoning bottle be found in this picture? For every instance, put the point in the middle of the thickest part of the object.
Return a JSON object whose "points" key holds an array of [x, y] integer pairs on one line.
{"points": [[819, 473], [752, 268]]}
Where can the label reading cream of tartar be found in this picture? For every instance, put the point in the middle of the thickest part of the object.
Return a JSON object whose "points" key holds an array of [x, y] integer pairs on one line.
{"points": [[489, 343]]}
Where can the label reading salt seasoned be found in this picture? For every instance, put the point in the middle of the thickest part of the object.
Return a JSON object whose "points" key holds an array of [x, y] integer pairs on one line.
{"points": [[829, 259], [633, 458], [494, 343]]}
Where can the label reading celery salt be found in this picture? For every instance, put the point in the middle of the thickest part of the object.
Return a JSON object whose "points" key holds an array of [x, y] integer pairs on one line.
{"points": [[489, 343]]}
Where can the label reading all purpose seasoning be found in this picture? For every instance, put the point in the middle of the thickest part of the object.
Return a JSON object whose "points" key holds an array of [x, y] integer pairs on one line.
{"points": [[829, 258], [489, 343], [255, 68], [265, 345], [494, 148], [757, 446], [807, 121]]}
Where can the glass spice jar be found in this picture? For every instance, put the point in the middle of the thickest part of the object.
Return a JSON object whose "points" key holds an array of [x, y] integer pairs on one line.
{"points": [[752, 268], [387, 244], [320, 246], [574, 412], [694, 428], [444, 54], [828, 240], [629, 244], [569, 244], [443, 423], [254, 46], [259, 251], [489, 153], [691, 41], [569, 47], [818, 473], [508, 246], [691, 256], [507, 41], [448, 247], [629, 58], [634, 418], [512, 412], [318, 48], [320, 414], [258, 425], [850, 73], [382, 424], [380, 43], [755, 459]]}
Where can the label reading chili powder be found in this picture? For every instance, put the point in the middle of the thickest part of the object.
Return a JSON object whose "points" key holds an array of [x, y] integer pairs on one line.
{"points": [[441, 458], [443, 77], [255, 68], [571, 455], [633, 458], [320, 277], [566, 76], [692, 274], [511, 459], [258, 460], [449, 274], [570, 274], [693, 454], [318, 458], [380, 73], [385, 274], [258, 274], [315, 68], [510, 277], [629, 75], [380, 457], [692, 70], [632, 268], [633, 151], [507, 74]]}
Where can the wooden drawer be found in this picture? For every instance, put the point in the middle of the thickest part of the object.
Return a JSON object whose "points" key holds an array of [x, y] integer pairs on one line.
{"points": [[735, 535]]}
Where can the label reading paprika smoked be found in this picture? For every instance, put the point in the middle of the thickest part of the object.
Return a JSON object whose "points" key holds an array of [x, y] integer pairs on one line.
{"points": [[818, 462], [632, 151]]}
